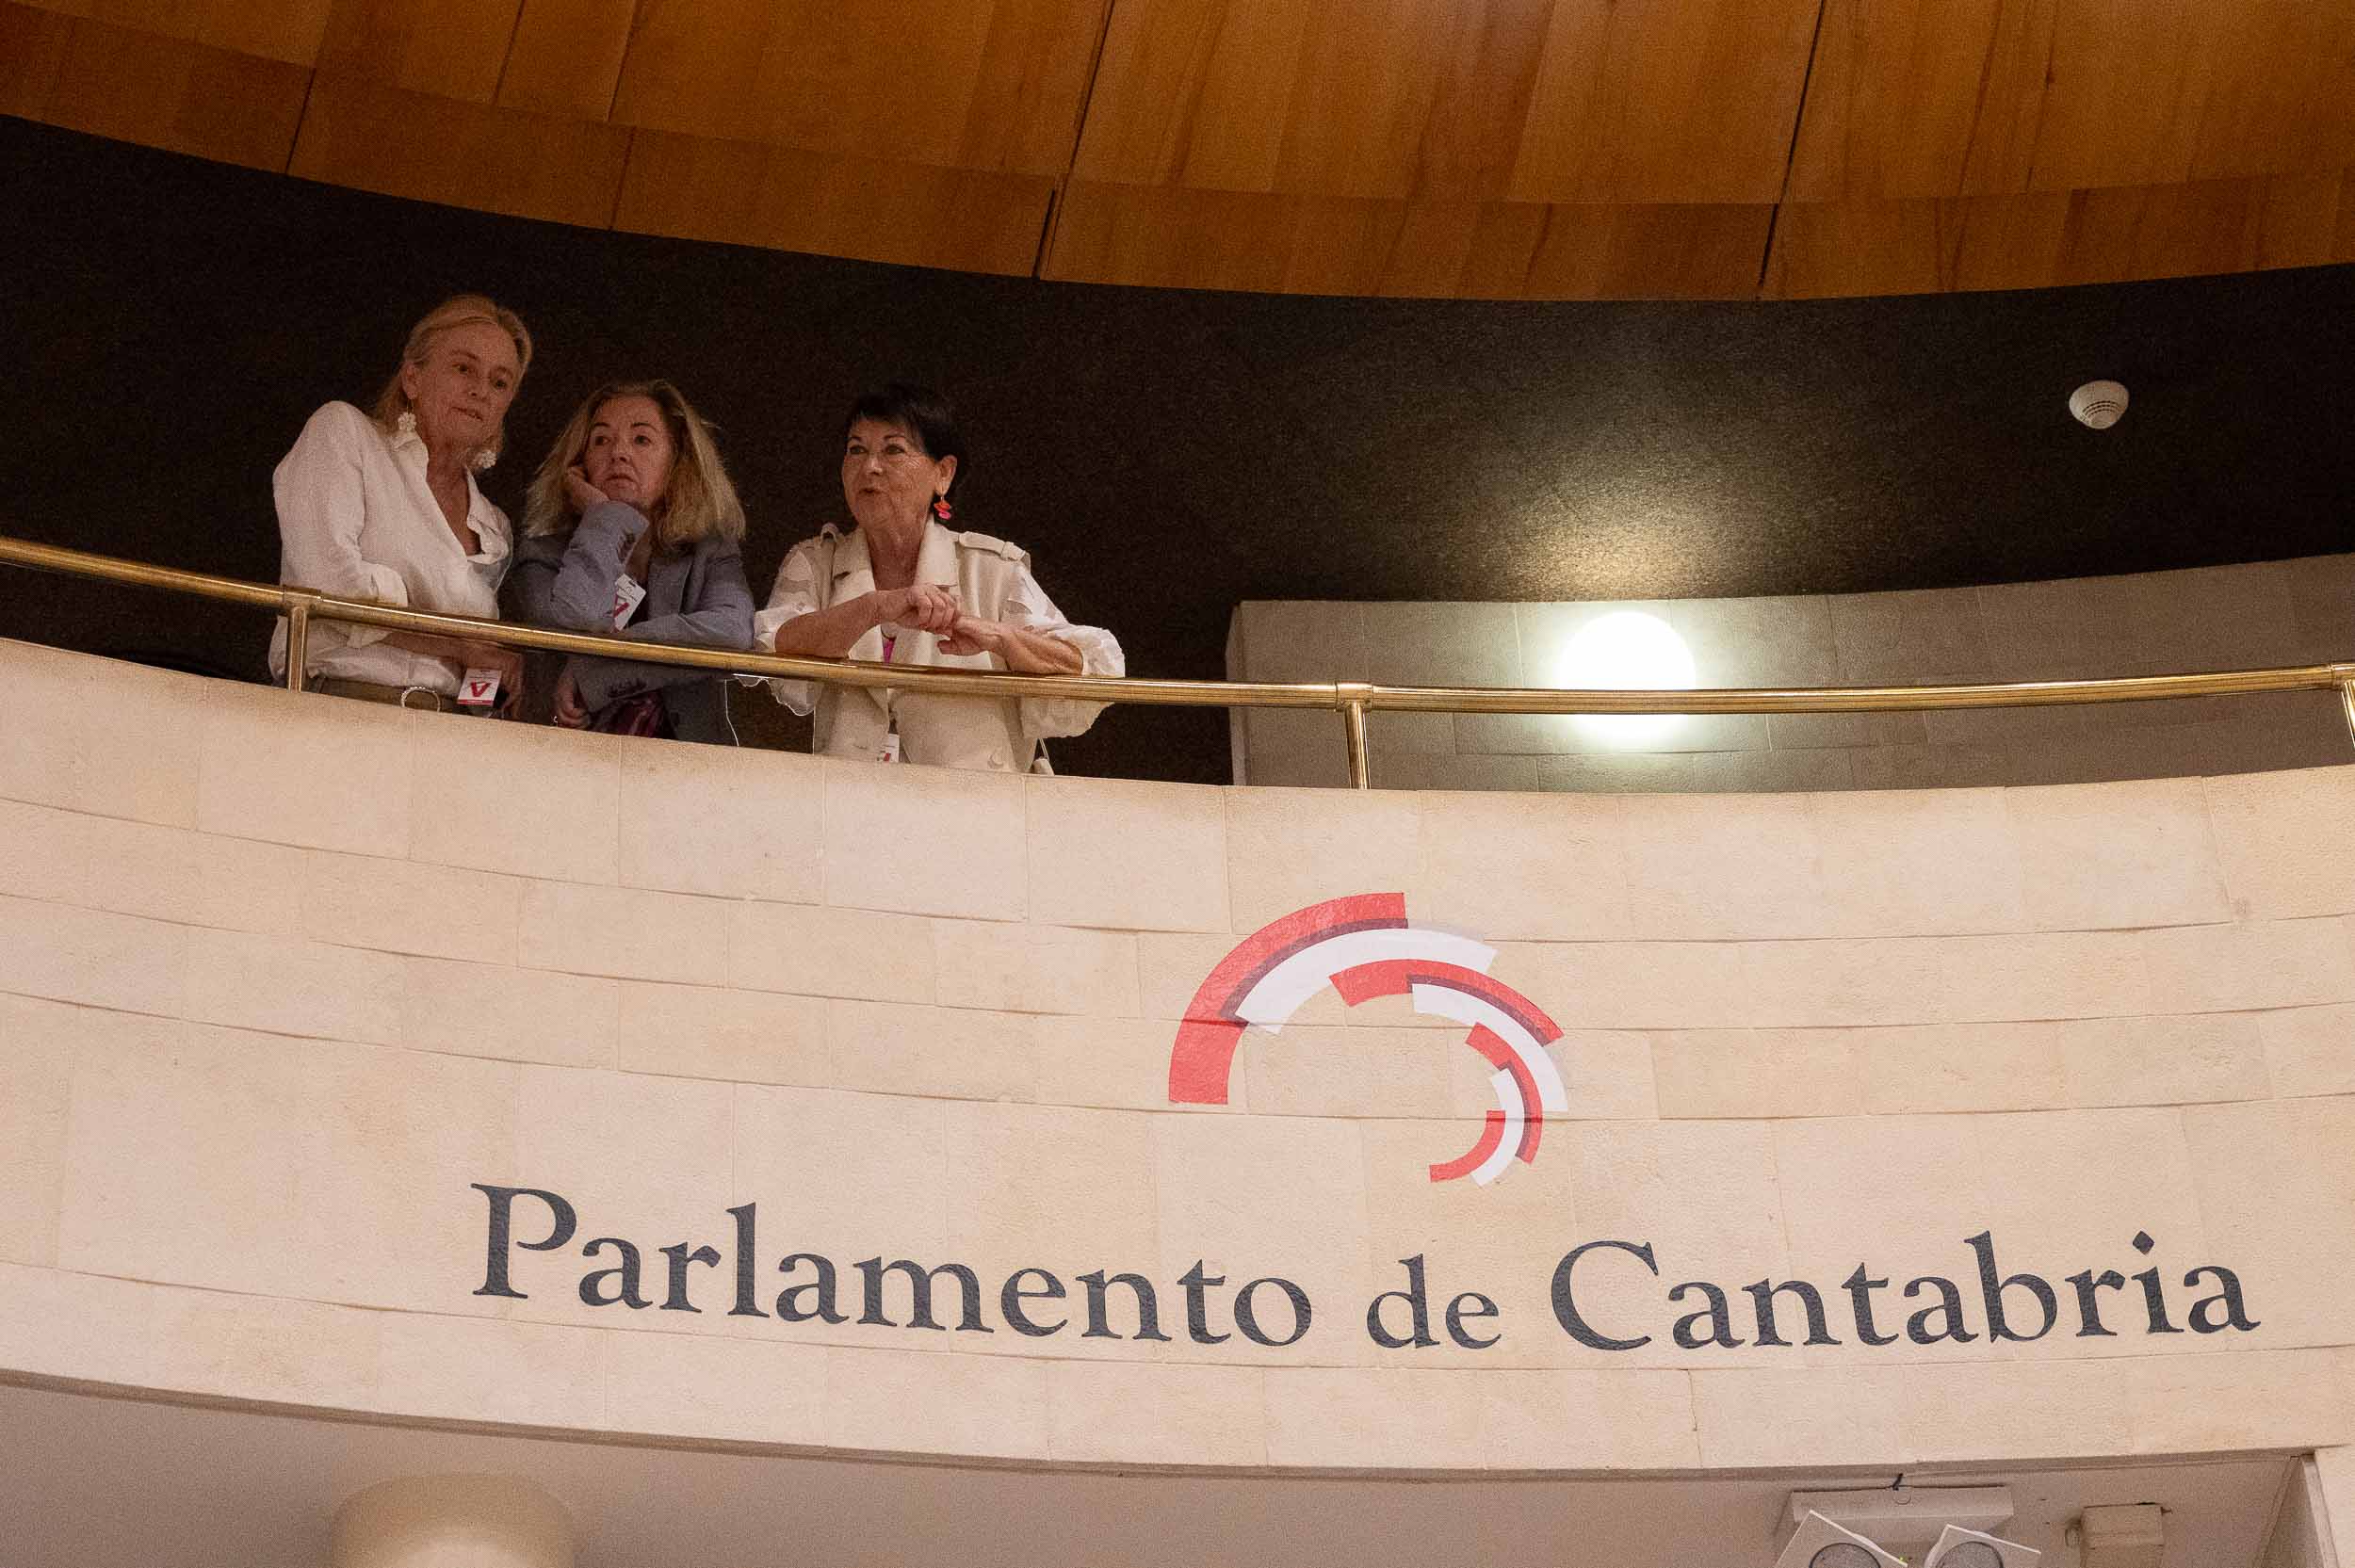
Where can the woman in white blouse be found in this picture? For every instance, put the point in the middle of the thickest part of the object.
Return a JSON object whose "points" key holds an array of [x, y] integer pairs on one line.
{"points": [[383, 506], [901, 588]]}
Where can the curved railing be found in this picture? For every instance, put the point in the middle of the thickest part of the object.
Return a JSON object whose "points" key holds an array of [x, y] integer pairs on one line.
{"points": [[1351, 699]]}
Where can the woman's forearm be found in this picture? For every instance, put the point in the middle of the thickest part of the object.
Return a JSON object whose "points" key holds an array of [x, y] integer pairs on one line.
{"points": [[427, 643], [462, 652], [1027, 652], [827, 634], [578, 597]]}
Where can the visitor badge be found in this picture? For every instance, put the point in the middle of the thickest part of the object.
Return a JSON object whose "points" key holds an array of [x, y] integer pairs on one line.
{"points": [[628, 596], [889, 750], [479, 688]]}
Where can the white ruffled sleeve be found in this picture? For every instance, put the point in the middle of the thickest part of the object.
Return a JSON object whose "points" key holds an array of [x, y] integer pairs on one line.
{"points": [[796, 593], [1027, 606], [320, 512]]}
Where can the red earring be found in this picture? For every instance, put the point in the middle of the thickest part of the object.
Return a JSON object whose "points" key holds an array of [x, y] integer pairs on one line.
{"points": [[940, 508]]}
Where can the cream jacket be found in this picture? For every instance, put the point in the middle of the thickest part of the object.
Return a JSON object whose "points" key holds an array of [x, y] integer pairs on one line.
{"points": [[991, 579]]}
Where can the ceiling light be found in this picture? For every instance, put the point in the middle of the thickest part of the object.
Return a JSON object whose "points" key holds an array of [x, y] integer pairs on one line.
{"points": [[1909, 1515], [1859, 1529], [1846, 1554], [1820, 1543], [1962, 1548]]}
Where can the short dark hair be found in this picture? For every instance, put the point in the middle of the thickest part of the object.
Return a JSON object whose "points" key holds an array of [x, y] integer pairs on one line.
{"points": [[917, 410]]}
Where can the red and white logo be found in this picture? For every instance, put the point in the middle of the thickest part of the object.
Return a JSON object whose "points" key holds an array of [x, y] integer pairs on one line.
{"points": [[479, 688], [1363, 948]]}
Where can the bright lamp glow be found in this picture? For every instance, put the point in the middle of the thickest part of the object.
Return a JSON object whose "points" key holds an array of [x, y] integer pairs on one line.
{"points": [[1627, 650]]}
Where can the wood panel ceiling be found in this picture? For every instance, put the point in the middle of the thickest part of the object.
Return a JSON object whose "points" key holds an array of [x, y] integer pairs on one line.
{"points": [[1530, 148]]}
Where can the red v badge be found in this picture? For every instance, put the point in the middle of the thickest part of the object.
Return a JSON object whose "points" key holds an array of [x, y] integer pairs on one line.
{"points": [[479, 688]]}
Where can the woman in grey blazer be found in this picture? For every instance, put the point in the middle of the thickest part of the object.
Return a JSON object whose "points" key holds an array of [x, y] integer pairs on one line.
{"points": [[633, 528]]}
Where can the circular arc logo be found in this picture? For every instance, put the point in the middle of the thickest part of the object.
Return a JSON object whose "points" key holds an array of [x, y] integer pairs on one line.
{"points": [[1363, 946]]}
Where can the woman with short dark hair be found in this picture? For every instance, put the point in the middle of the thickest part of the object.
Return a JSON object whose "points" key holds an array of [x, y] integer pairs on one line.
{"points": [[903, 588]]}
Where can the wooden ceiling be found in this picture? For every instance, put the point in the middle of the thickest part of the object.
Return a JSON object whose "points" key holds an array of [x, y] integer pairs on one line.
{"points": [[1491, 149]]}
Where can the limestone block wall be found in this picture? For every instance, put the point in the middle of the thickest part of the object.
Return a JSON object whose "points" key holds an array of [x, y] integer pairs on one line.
{"points": [[298, 998], [2214, 618]]}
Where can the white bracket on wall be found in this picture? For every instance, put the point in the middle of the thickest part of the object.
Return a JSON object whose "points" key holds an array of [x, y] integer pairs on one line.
{"points": [[1908, 1515], [2120, 1535]]}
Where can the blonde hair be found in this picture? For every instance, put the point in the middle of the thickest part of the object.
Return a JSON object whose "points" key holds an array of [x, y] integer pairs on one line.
{"points": [[700, 499], [459, 310]]}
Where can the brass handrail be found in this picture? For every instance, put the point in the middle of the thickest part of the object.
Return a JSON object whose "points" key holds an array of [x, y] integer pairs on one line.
{"points": [[1353, 699]]}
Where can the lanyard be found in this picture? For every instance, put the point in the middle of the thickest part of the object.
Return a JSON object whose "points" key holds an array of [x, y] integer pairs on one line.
{"points": [[889, 750]]}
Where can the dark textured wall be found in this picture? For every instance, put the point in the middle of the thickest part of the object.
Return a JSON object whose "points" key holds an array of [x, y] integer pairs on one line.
{"points": [[1164, 455]]}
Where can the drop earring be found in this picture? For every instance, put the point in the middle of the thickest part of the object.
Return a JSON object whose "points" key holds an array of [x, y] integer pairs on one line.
{"points": [[941, 509], [407, 423]]}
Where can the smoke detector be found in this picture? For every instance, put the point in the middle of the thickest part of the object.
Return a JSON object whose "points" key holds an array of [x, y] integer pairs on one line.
{"points": [[2098, 404]]}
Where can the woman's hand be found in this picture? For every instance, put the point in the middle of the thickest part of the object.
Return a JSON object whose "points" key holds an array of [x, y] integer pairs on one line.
{"points": [[569, 712], [1025, 653], [578, 491], [509, 662], [918, 608], [972, 635]]}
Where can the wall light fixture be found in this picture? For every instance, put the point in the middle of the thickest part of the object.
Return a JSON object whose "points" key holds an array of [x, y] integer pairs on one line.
{"points": [[1627, 650]]}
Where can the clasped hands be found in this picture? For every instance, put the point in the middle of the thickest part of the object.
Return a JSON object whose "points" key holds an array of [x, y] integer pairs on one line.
{"points": [[925, 607]]}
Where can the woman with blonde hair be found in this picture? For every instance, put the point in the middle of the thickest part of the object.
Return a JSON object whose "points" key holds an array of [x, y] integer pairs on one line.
{"points": [[383, 506], [633, 528]]}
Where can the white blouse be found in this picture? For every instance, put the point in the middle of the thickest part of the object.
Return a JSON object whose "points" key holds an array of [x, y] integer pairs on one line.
{"points": [[357, 519]]}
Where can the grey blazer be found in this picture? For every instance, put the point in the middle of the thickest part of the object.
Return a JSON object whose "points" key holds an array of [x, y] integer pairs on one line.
{"points": [[696, 597]]}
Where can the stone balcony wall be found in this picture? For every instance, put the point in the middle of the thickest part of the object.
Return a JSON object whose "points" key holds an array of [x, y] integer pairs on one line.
{"points": [[290, 986]]}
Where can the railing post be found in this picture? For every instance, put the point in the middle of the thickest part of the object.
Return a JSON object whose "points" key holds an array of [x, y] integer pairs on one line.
{"points": [[1354, 728], [297, 641]]}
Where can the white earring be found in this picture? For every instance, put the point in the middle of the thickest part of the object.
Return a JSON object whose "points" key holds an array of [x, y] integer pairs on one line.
{"points": [[407, 423], [485, 461]]}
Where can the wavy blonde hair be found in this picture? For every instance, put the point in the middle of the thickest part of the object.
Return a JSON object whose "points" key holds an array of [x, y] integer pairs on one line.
{"points": [[699, 501], [459, 310]]}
